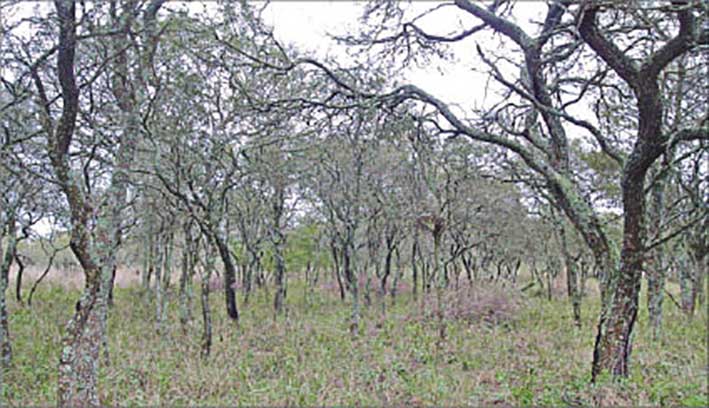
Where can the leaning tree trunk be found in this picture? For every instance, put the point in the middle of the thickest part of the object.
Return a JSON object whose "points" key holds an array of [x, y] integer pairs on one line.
{"points": [[229, 275]]}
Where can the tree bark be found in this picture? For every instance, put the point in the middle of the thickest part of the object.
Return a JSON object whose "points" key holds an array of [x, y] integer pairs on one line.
{"points": [[5, 264], [206, 344], [572, 285], [95, 232], [336, 268], [229, 276], [188, 258], [18, 281], [614, 339], [655, 270]]}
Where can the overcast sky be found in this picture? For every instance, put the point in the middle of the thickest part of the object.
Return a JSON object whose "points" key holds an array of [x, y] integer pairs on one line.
{"points": [[307, 24]]}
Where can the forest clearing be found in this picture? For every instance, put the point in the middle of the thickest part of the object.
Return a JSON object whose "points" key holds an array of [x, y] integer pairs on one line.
{"points": [[380, 202]]}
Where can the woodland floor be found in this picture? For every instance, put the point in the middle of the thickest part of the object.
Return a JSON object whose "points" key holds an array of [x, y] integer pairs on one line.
{"points": [[498, 350]]}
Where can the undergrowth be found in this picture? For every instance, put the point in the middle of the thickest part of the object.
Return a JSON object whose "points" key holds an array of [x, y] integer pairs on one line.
{"points": [[529, 355]]}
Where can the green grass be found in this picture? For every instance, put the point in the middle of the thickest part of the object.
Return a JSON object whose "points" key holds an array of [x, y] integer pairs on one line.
{"points": [[309, 358]]}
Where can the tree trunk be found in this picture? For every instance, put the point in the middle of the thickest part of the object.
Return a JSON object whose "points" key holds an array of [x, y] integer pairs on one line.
{"points": [[351, 274], [206, 344], [686, 284], [655, 270], [572, 287], [78, 363], [188, 257], [573, 290], [700, 279], [336, 269], [111, 285], [95, 232], [614, 341], [397, 276], [280, 296], [18, 281], [5, 343], [167, 261], [159, 293], [584, 276], [148, 263], [229, 276], [439, 273], [414, 268]]}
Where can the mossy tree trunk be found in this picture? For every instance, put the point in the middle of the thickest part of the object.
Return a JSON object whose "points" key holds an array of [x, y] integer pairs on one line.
{"points": [[94, 231], [614, 339]]}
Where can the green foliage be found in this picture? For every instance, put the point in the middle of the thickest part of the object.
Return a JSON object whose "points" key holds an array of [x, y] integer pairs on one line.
{"points": [[310, 358], [301, 248]]}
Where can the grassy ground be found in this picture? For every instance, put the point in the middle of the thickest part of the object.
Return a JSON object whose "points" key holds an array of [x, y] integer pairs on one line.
{"points": [[529, 355]]}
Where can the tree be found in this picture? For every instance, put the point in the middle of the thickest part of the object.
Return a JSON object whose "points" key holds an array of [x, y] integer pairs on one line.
{"points": [[546, 61], [614, 341], [95, 215]]}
